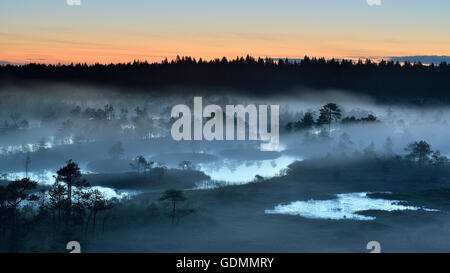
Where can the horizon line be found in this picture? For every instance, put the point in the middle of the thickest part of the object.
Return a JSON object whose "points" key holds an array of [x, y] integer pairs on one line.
{"points": [[375, 59]]}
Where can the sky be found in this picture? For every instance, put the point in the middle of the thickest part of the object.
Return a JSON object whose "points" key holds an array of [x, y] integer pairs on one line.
{"points": [[111, 31]]}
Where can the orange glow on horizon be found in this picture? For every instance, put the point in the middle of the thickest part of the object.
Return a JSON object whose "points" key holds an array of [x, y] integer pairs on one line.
{"points": [[119, 48]]}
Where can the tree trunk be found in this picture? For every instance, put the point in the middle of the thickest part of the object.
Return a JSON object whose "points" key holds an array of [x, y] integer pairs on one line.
{"points": [[3, 233], [94, 220], [173, 211], [69, 197], [103, 224], [87, 222], [329, 124], [59, 214], [14, 230]]}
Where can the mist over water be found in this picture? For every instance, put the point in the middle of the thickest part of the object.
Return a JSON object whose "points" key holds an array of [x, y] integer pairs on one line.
{"points": [[228, 183], [47, 178], [238, 172], [44, 134], [55, 132], [345, 206], [397, 120]]}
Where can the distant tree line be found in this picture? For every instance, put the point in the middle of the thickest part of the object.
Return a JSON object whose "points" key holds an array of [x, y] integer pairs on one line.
{"points": [[328, 114], [386, 80], [14, 123]]}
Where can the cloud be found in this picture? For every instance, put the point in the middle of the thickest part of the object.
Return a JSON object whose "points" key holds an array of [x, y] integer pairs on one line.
{"points": [[73, 2], [374, 2]]}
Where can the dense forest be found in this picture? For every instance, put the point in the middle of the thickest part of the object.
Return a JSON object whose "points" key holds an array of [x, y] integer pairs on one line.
{"points": [[385, 80]]}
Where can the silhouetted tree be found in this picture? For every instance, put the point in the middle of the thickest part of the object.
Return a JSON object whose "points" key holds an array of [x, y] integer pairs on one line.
{"points": [[328, 114], [96, 203], [3, 215], [289, 126], [139, 163], [174, 197], [438, 159], [109, 111], [15, 119], [419, 151], [258, 178], [65, 131], [15, 193], [76, 112], [57, 200], [369, 118], [148, 165], [24, 124], [369, 151], [186, 165], [352, 119], [69, 174], [306, 122]]}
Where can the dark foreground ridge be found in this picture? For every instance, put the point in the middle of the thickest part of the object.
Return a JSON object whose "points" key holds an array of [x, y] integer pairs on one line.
{"points": [[386, 80]]}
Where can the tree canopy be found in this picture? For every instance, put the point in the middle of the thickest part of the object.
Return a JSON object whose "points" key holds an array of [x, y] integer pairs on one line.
{"points": [[385, 80]]}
